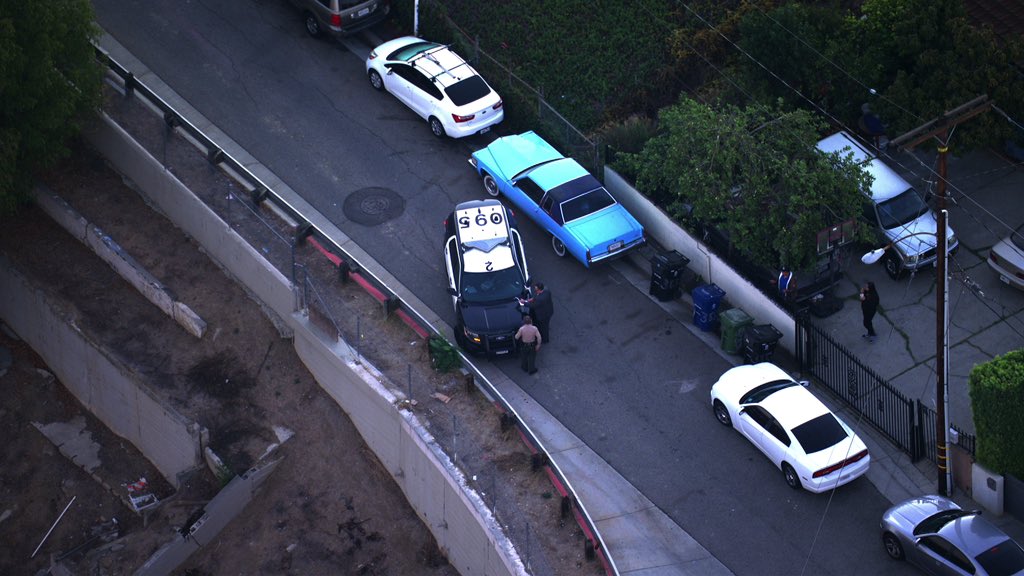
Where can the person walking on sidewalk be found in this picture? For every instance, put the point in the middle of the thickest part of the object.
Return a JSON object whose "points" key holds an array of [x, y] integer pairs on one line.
{"points": [[868, 307], [542, 308], [530, 339]]}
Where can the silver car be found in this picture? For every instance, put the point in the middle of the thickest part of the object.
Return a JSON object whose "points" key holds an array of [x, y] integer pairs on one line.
{"points": [[341, 17], [936, 535]]}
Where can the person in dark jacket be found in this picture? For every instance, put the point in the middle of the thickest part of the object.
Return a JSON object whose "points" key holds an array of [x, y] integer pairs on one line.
{"points": [[542, 308], [868, 307]]}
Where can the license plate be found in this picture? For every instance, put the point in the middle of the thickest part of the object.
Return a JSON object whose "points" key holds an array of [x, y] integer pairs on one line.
{"points": [[363, 12], [485, 130], [1004, 279], [500, 352], [615, 246]]}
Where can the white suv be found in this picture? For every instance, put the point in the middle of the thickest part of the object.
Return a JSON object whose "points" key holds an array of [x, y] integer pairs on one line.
{"points": [[895, 208], [436, 84]]}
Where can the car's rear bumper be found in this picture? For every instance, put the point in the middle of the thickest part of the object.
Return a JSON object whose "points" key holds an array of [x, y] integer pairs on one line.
{"points": [[359, 25], [1005, 276], [844, 476], [620, 252], [470, 128]]}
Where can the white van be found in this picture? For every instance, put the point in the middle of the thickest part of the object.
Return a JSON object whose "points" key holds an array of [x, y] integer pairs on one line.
{"points": [[896, 209]]}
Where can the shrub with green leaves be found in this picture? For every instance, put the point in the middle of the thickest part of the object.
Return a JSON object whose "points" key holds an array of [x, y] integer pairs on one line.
{"points": [[997, 402]]}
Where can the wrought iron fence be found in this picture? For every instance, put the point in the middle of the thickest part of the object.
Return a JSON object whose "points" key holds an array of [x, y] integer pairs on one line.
{"points": [[840, 371]]}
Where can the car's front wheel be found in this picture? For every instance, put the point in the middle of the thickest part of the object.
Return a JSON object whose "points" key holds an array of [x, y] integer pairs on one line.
{"points": [[436, 127], [722, 413], [490, 185], [893, 266], [558, 246], [312, 25], [375, 80], [791, 477], [892, 546]]}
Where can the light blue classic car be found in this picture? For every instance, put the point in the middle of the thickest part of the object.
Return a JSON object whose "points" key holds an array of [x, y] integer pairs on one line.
{"points": [[559, 195]]}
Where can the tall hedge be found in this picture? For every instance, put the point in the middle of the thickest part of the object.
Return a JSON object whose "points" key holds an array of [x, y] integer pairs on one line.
{"points": [[997, 400]]}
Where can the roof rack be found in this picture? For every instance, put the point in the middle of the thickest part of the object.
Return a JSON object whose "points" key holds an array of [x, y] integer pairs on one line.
{"points": [[429, 55]]}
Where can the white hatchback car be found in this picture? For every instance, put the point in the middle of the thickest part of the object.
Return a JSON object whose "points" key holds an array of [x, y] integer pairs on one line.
{"points": [[810, 444], [437, 84]]}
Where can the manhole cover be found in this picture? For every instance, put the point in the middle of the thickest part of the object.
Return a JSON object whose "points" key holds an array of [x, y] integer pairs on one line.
{"points": [[373, 206]]}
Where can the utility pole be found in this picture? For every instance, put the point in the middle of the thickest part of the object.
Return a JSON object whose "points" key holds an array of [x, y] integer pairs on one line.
{"points": [[940, 128]]}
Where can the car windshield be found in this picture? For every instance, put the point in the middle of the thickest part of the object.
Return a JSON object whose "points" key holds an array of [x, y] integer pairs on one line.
{"points": [[1002, 559], [405, 53], [494, 286], [468, 90], [587, 203], [765, 390], [902, 209], [820, 433]]}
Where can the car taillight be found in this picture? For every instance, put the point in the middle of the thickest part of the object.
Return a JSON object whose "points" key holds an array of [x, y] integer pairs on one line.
{"points": [[336, 20], [855, 458], [373, 54], [588, 254], [458, 118], [992, 256], [497, 106]]}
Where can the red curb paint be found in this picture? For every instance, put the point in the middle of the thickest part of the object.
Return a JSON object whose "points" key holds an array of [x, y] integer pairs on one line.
{"points": [[413, 324], [368, 287], [332, 257]]}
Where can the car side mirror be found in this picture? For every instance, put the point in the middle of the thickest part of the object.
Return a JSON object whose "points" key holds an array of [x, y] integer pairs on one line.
{"points": [[451, 291], [804, 383]]}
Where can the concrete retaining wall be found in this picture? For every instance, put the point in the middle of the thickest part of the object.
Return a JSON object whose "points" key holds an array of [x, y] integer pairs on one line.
{"points": [[189, 213], [461, 523], [667, 233], [104, 385]]}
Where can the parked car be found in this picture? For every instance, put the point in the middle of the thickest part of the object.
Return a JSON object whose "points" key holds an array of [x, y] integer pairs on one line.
{"points": [[894, 208], [437, 84], [937, 536], [341, 17], [810, 444], [1007, 258], [487, 275], [560, 195]]}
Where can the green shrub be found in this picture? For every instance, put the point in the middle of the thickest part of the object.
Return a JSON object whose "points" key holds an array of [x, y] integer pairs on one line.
{"points": [[997, 401], [443, 356]]}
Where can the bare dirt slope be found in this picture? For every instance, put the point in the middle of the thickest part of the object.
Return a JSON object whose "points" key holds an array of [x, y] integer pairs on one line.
{"points": [[330, 508]]}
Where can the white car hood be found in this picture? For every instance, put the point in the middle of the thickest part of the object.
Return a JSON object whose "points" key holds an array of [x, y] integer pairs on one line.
{"points": [[925, 227]]}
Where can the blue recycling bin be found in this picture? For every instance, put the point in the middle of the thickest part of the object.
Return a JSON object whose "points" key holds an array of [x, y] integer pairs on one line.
{"points": [[707, 297], [706, 321]]}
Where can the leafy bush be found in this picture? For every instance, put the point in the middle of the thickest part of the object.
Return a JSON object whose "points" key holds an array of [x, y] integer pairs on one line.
{"points": [[443, 356], [997, 401]]}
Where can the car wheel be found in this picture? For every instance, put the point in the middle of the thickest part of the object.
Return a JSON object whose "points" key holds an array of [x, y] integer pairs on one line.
{"points": [[436, 127], [558, 246], [460, 336], [892, 546], [791, 477], [722, 414], [892, 266], [490, 186], [312, 25], [375, 80]]}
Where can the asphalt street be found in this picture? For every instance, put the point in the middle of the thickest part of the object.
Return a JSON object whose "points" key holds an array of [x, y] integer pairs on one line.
{"points": [[621, 374]]}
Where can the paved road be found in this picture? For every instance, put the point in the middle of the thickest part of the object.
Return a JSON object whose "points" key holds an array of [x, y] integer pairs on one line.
{"points": [[624, 376]]}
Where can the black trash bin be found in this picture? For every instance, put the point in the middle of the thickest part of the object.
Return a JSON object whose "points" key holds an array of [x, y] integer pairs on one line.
{"points": [[666, 275], [759, 343]]}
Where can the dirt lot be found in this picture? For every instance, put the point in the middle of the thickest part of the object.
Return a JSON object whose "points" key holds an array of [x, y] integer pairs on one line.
{"points": [[330, 507]]}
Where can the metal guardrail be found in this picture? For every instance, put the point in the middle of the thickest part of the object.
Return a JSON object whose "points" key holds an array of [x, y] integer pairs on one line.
{"points": [[392, 301]]}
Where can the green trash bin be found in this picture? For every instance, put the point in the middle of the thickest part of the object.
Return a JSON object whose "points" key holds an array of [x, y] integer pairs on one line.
{"points": [[734, 320]]}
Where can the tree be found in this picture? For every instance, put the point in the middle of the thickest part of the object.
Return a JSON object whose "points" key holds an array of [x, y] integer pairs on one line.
{"points": [[753, 172], [49, 84]]}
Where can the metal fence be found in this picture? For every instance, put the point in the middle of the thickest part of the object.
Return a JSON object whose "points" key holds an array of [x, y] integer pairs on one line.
{"points": [[908, 423]]}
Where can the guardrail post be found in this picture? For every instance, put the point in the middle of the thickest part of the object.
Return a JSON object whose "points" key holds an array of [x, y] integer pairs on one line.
{"points": [[566, 506], [172, 120], [507, 421], [588, 549], [258, 195], [537, 461], [129, 84], [344, 269], [303, 231], [215, 156]]}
